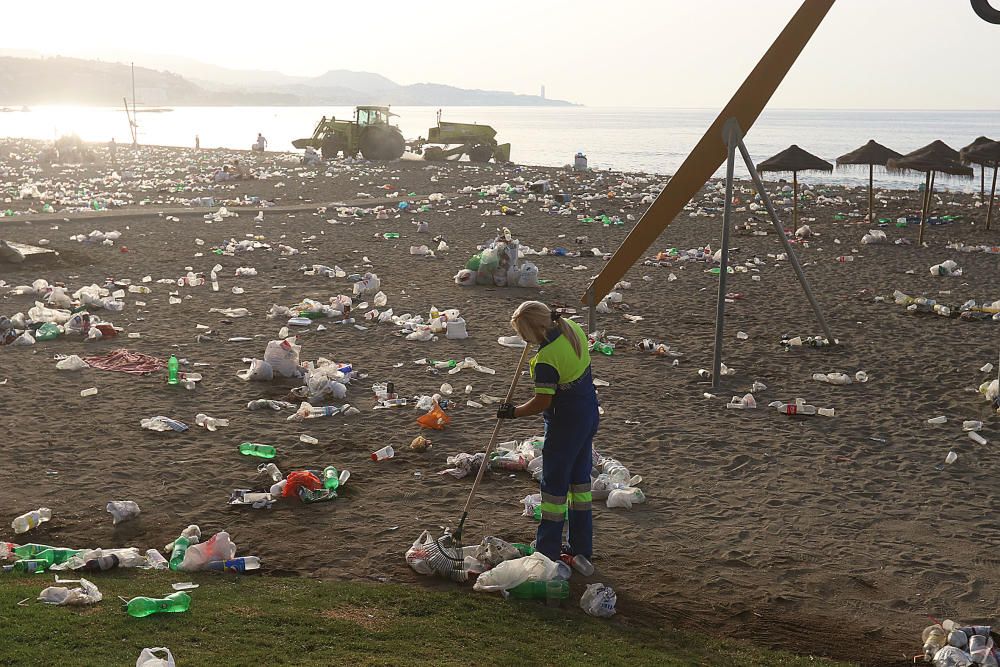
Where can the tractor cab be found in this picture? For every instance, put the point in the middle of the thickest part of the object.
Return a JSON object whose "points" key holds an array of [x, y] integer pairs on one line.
{"points": [[365, 116]]}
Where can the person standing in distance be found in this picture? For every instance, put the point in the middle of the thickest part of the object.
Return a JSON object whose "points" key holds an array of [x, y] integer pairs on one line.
{"points": [[566, 398]]}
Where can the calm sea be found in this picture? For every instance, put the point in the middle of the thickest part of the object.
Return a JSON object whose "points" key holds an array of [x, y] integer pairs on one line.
{"points": [[652, 140]]}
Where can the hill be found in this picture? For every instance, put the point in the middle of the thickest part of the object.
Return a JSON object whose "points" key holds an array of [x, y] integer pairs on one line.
{"points": [[60, 80]]}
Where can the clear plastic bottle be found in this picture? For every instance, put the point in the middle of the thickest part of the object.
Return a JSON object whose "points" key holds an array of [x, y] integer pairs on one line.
{"points": [[26, 522], [272, 471]]}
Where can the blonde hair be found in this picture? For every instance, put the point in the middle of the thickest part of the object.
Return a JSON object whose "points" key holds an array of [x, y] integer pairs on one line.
{"points": [[533, 319]]}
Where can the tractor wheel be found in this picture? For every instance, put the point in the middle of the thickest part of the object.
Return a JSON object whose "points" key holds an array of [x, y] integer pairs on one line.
{"points": [[330, 147], [381, 142], [480, 153], [434, 154]]}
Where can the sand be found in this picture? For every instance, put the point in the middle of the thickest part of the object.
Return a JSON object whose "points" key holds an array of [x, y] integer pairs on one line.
{"points": [[804, 533]]}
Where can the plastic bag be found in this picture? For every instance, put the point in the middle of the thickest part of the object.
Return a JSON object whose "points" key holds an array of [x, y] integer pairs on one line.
{"points": [[435, 418], [528, 276], [148, 658], [949, 656], [72, 363], [259, 371], [122, 510], [300, 479], [494, 551], [283, 356], [625, 497], [86, 593], [511, 573], [599, 600], [218, 547], [417, 556]]}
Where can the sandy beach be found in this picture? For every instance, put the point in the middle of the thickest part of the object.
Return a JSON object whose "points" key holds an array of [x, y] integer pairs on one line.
{"points": [[833, 536]]}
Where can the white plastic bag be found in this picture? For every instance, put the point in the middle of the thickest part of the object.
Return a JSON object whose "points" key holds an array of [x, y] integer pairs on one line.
{"points": [[122, 510], [417, 556], [72, 363], [218, 547], [625, 497], [148, 658], [599, 600], [465, 277], [86, 593], [511, 573], [283, 356], [528, 276], [259, 371]]}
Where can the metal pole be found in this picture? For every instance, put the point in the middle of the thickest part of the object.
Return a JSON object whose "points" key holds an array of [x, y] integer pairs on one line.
{"points": [[732, 133], [784, 241]]}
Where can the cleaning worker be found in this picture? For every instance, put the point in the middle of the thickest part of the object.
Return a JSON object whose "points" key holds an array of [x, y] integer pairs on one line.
{"points": [[567, 400]]}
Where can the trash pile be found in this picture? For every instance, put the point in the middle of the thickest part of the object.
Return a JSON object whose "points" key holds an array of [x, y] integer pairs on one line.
{"points": [[499, 264], [971, 310], [514, 570], [948, 644], [309, 486], [62, 314]]}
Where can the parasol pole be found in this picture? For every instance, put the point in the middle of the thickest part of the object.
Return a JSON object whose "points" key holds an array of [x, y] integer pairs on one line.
{"points": [[993, 195], [795, 200], [923, 208], [871, 195]]}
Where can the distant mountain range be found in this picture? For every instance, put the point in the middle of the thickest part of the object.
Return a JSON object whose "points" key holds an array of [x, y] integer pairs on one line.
{"points": [[184, 82]]}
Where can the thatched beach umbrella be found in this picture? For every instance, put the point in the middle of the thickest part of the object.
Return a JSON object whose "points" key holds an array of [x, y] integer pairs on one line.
{"points": [[985, 153], [933, 158], [872, 154], [982, 167], [794, 159]]}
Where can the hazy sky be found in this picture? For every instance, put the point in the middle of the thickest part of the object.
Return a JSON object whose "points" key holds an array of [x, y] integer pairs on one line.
{"points": [[668, 53]]}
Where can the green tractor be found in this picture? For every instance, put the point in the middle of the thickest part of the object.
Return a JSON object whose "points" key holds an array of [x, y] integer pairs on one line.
{"points": [[368, 133], [477, 141]]}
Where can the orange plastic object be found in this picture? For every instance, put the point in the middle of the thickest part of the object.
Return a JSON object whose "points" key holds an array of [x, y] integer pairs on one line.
{"points": [[435, 419]]}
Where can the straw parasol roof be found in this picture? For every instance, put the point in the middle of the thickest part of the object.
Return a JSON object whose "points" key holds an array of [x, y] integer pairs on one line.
{"points": [[968, 154], [936, 156], [981, 152], [871, 154], [794, 159]]}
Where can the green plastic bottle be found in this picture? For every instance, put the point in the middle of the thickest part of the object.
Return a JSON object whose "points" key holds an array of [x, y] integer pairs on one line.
{"points": [[31, 565], [30, 550], [143, 606], [541, 590], [390, 235], [181, 545], [258, 450], [331, 478], [54, 556], [524, 549], [172, 370]]}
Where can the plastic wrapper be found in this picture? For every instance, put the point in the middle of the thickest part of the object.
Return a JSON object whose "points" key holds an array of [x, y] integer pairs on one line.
{"points": [[599, 600], [511, 573], [86, 593]]}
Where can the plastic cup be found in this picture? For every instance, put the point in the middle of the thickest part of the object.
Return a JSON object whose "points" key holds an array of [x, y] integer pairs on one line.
{"points": [[383, 454]]}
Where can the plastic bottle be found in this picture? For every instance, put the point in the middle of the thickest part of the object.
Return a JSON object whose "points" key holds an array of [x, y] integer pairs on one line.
{"points": [[331, 478], [156, 560], [843, 259], [938, 420], [258, 450], [56, 556], [181, 545], [272, 471], [551, 591], [384, 453], [579, 563], [243, 564], [975, 437], [172, 370], [26, 522], [143, 606], [30, 565], [972, 425]]}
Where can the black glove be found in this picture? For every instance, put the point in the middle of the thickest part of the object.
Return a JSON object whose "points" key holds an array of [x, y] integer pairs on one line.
{"points": [[505, 411]]}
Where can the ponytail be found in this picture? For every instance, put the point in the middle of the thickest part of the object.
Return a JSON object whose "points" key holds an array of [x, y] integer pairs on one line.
{"points": [[570, 333]]}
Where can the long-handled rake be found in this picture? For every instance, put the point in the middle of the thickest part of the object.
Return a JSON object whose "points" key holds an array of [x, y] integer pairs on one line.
{"points": [[448, 559]]}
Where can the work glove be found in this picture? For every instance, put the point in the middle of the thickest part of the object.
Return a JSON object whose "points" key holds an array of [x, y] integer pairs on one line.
{"points": [[505, 411]]}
